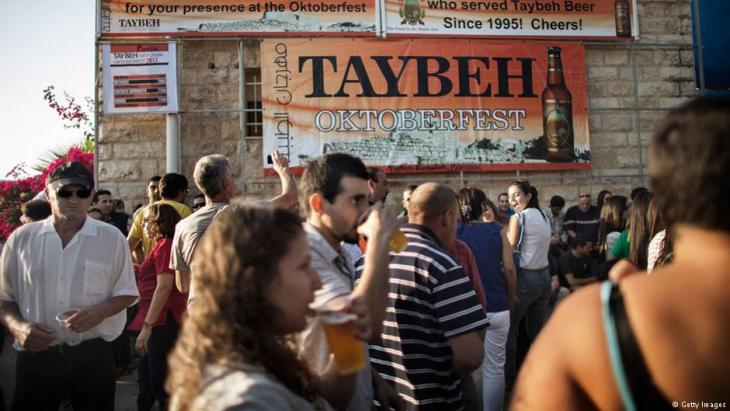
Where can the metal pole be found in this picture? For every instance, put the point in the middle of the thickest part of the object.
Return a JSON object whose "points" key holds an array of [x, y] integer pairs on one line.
{"points": [[242, 112], [700, 56], [638, 115], [97, 30], [172, 143]]}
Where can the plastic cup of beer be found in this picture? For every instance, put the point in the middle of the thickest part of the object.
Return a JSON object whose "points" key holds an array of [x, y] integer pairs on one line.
{"points": [[349, 352], [70, 337], [398, 241], [65, 315]]}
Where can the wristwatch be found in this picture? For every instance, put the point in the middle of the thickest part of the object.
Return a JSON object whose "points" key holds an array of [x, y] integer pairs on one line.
{"points": [[148, 324]]}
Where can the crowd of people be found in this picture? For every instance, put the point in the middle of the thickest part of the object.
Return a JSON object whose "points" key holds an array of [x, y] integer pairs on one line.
{"points": [[310, 300]]}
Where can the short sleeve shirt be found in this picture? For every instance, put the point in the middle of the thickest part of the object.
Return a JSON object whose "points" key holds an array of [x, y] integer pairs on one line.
{"points": [[157, 263], [431, 300], [137, 231], [44, 279], [337, 274], [579, 267], [188, 233]]}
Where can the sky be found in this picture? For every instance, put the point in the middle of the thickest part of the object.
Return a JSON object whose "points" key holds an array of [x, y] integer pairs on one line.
{"points": [[42, 43]]}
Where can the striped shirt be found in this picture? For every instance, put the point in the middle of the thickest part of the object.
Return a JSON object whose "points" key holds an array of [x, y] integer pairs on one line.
{"points": [[431, 300], [584, 223]]}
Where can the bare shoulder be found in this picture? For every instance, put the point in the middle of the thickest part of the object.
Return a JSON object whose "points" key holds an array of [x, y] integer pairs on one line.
{"points": [[676, 314], [570, 357]]}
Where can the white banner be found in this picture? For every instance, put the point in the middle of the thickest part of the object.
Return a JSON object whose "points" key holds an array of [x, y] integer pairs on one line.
{"points": [[140, 78]]}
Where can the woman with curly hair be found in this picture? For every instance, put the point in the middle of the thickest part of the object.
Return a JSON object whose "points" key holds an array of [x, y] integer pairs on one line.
{"points": [[160, 309], [236, 348]]}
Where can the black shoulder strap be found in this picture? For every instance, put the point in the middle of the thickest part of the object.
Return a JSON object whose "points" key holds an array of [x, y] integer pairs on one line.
{"points": [[646, 395]]}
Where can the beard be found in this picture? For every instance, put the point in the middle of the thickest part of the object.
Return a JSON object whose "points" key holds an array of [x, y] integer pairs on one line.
{"points": [[350, 238]]}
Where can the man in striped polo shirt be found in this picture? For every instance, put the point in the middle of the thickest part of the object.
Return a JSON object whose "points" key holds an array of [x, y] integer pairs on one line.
{"points": [[434, 324]]}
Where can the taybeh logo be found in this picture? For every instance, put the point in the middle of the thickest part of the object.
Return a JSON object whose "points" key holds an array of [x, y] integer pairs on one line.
{"points": [[411, 12]]}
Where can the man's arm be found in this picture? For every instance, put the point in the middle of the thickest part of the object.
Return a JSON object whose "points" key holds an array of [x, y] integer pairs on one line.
{"points": [[468, 351], [375, 280], [91, 316], [31, 336], [288, 196], [569, 224], [578, 282], [182, 281]]}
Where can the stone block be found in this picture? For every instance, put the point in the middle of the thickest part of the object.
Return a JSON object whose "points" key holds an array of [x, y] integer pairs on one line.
{"points": [[139, 150], [106, 151], [594, 56], [657, 9], [119, 170], [604, 102], [667, 57], [658, 25], [601, 73], [610, 88], [152, 167], [671, 102], [676, 73], [616, 57], [617, 121], [642, 57], [687, 88], [687, 57], [608, 139], [658, 88]]}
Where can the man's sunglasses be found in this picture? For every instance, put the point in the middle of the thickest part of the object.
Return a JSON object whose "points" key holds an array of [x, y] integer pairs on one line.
{"points": [[80, 193]]}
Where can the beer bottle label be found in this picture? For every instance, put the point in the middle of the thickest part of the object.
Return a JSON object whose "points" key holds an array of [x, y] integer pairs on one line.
{"points": [[622, 20], [558, 125]]}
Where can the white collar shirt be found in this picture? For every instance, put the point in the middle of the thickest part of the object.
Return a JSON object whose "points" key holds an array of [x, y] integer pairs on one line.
{"points": [[337, 274], [45, 279]]}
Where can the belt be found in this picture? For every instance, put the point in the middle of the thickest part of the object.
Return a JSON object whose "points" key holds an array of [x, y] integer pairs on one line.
{"points": [[65, 348], [536, 270]]}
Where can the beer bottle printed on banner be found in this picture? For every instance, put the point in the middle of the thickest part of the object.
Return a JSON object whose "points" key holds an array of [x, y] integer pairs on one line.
{"points": [[557, 110], [623, 18]]}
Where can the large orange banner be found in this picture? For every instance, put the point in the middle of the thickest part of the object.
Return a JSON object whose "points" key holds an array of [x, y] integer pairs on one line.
{"points": [[427, 105], [120, 18]]}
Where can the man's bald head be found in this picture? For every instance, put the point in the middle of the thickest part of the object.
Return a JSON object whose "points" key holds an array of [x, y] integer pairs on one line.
{"points": [[429, 201]]}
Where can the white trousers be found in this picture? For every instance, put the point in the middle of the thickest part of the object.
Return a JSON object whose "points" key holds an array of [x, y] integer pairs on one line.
{"points": [[495, 344]]}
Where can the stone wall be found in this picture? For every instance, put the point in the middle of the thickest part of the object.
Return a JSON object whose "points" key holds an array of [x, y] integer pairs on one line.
{"points": [[630, 88]]}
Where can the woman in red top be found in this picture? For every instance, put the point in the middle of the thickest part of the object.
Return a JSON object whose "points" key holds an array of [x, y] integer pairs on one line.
{"points": [[160, 308]]}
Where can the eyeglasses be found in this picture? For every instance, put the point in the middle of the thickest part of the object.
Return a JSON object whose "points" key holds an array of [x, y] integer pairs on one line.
{"points": [[584, 196], [80, 193]]}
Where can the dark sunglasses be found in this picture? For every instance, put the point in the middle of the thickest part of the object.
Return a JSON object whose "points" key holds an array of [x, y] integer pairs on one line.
{"points": [[80, 193]]}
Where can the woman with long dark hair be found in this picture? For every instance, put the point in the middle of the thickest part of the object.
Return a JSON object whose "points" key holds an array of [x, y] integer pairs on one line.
{"points": [[639, 230], [160, 309], [236, 348], [529, 234], [603, 195], [611, 224], [493, 254]]}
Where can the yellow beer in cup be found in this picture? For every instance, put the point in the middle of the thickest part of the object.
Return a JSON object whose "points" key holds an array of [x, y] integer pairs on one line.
{"points": [[349, 352]]}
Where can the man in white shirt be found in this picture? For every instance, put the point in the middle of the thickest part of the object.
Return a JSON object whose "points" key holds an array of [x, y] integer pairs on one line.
{"points": [[334, 193], [73, 266]]}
